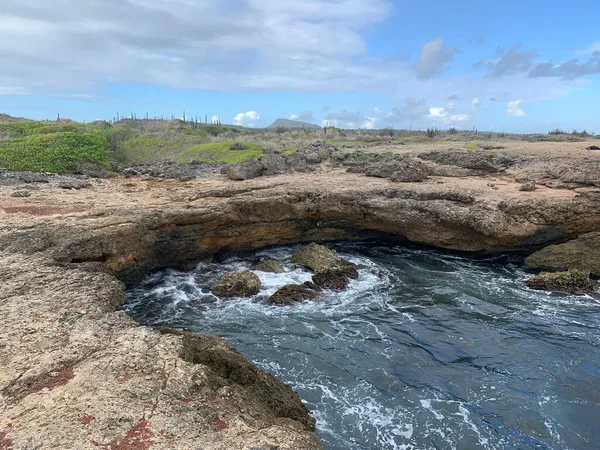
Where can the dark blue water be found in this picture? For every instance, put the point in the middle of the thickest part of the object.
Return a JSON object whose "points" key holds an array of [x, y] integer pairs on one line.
{"points": [[424, 351]]}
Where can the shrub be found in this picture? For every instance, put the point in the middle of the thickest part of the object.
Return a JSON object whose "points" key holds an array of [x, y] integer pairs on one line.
{"points": [[432, 132], [55, 152], [452, 130]]}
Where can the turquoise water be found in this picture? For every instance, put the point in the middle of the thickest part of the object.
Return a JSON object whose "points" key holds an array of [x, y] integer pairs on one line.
{"points": [[424, 351]]}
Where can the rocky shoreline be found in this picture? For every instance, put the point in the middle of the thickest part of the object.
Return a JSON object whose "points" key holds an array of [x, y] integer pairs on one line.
{"points": [[79, 373]]}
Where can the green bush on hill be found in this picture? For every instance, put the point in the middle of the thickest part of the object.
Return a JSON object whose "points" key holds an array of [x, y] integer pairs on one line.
{"points": [[59, 152]]}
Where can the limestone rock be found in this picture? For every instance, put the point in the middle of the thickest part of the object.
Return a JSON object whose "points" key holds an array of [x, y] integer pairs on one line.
{"points": [[273, 164], [335, 278], [484, 162], [245, 170], [571, 282], [294, 293], [21, 194], [74, 184], [528, 187], [315, 256], [270, 265], [410, 171], [237, 284], [582, 253]]}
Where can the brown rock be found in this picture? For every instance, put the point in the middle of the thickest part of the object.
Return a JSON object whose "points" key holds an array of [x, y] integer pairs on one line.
{"points": [[582, 253], [571, 282], [335, 278], [294, 293], [315, 256], [237, 284], [270, 265]]}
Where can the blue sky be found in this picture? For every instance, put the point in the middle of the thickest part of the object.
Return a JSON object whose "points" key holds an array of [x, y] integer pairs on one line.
{"points": [[525, 66]]}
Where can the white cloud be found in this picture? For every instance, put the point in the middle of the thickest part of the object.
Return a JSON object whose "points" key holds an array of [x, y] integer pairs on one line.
{"points": [[475, 104], [246, 119], [226, 45], [215, 119], [294, 117], [515, 109], [594, 48], [446, 115], [369, 123], [432, 58]]}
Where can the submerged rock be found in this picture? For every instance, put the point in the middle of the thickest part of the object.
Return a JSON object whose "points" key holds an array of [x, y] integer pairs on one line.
{"points": [[582, 253], [237, 284], [294, 293], [335, 278], [315, 256], [271, 266], [571, 282]]}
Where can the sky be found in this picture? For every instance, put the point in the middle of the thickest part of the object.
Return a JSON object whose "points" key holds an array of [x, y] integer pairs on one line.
{"points": [[513, 66]]}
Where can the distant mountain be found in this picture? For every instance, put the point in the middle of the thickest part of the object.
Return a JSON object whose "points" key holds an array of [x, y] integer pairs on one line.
{"points": [[7, 118], [292, 124]]}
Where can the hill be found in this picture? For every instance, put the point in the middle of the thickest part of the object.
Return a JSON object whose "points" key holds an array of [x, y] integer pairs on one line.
{"points": [[7, 118], [292, 124]]}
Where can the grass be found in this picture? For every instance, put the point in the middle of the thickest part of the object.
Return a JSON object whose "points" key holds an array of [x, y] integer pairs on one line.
{"points": [[220, 152], [471, 146]]}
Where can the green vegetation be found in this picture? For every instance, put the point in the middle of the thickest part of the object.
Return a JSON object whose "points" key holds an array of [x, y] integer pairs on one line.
{"points": [[61, 148], [471, 146], [220, 152]]}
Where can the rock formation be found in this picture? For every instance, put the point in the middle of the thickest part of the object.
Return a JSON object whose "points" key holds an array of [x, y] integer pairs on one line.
{"points": [[237, 284], [78, 373], [570, 282]]}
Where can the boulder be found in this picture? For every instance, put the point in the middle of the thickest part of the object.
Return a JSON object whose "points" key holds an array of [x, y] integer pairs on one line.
{"points": [[270, 265], [571, 282], [315, 256], [582, 253], [237, 284], [273, 164], [382, 169], [528, 187], [410, 171], [74, 184], [317, 152], [20, 194], [244, 170], [335, 278], [294, 293]]}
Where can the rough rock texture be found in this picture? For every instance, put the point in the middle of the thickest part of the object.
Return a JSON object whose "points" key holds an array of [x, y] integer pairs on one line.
{"points": [[528, 187], [410, 171], [270, 265], [245, 170], [572, 282], [315, 256], [76, 373], [237, 284], [294, 293], [484, 162], [581, 253], [74, 184], [274, 164], [335, 278], [79, 374]]}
